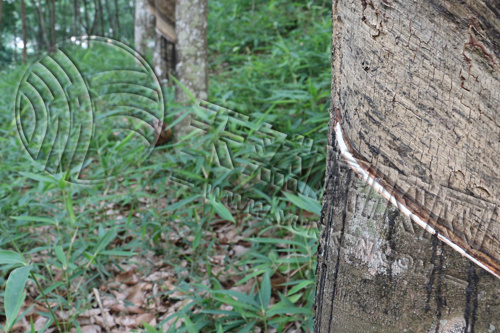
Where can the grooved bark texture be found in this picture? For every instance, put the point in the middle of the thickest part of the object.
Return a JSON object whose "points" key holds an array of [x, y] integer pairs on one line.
{"points": [[144, 28], [417, 86], [192, 58]]}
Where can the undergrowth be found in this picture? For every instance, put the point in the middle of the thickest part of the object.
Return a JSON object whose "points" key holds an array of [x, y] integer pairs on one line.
{"points": [[269, 62]]}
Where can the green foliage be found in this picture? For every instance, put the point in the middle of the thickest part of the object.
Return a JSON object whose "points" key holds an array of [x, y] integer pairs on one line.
{"points": [[117, 21], [15, 294]]}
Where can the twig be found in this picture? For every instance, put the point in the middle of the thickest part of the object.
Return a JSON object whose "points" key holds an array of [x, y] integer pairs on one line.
{"points": [[104, 319]]}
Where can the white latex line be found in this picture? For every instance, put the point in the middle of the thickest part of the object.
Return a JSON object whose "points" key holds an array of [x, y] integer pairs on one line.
{"points": [[380, 189]]}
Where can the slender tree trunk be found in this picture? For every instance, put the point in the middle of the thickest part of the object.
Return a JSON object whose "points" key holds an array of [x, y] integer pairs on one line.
{"points": [[414, 117], [98, 17], [110, 18], [117, 17], [42, 25], [78, 18], [39, 36], [1, 12], [95, 26], [15, 43], [52, 18], [88, 29], [192, 59], [101, 17], [25, 39]]}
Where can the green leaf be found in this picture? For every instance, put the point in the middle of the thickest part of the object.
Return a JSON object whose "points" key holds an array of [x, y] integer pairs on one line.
{"points": [[241, 297], [69, 207], [189, 324], [304, 202], [34, 219], [10, 257], [188, 93], [15, 294], [280, 308], [265, 290], [40, 178], [182, 203], [221, 210], [249, 276], [117, 253], [149, 328], [60, 256], [295, 298], [299, 286], [248, 327], [105, 240]]}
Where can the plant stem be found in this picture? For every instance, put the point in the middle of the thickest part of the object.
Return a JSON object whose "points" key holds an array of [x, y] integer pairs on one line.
{"points": [[46, 300]]}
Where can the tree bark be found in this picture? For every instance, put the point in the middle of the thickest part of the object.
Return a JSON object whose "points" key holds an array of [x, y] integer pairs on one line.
{"points": [[25, 40], [144, 28], [192, 59], [76, 19], [415, 89], [52, 17], [101, 16], [15, 43], [88, 29], [117, 17], [1, 12], [110, 18], [42, 25]]}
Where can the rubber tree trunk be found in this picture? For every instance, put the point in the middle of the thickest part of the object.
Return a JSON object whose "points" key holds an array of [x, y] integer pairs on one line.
{"points": [[144, 28], [415, 87], [192, 58]]}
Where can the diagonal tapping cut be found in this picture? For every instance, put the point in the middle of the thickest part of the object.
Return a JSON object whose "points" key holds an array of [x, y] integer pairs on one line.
{"points": [[409, 206]]}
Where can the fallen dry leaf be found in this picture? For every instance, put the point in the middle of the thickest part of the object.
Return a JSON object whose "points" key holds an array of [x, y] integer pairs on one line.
{"points": [[91, 329]]}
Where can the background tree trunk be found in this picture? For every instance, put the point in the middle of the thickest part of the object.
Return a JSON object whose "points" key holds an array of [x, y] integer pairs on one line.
{"points": [[144, 27], [42, 25], [25, 39], [1, 12], [52, 17], [88, 28], [15, 43], [416, 85], [109, 15], [77, 18], [117, 17], [192, 59]]}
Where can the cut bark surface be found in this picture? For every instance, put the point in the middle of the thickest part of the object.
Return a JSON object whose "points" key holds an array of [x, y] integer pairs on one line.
{"points": [[410, 236], [417, 95]]}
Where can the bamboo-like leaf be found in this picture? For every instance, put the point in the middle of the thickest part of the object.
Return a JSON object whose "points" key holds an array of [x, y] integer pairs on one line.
{"points": [[15, 294], [265, 290], [10, 257], [60, 256], [304, 202], [221, 210]]}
